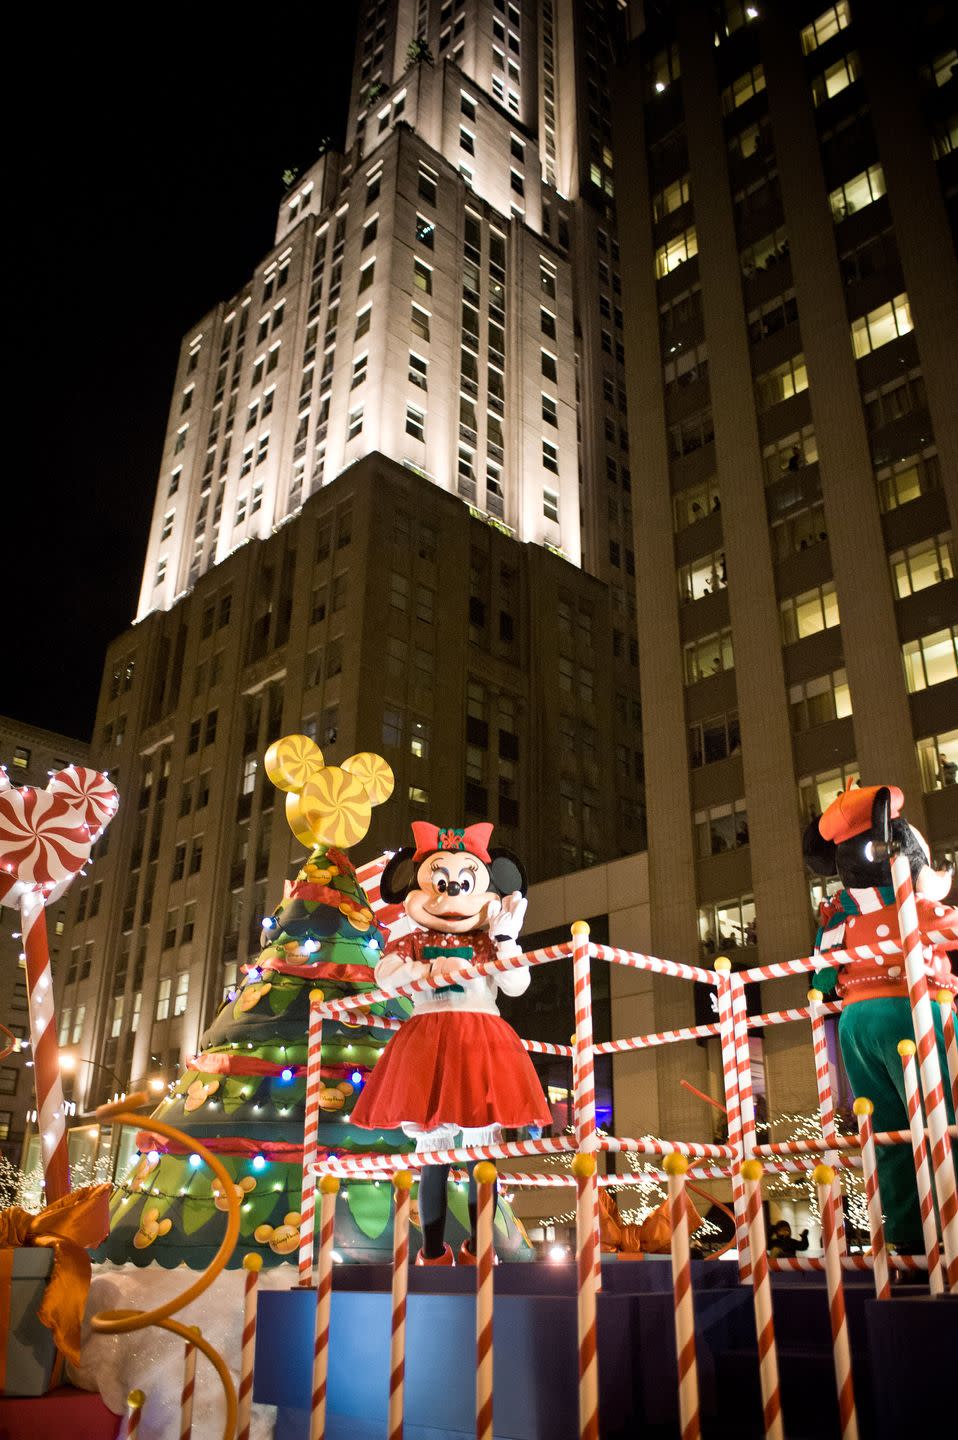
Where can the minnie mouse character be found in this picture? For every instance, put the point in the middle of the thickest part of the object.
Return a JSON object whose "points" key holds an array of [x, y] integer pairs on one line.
{"points": [[456, 1064], [849, 840]]}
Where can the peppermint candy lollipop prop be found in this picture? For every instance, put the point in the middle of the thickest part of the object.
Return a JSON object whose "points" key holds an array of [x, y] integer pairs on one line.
{"points": [[45, 839]]}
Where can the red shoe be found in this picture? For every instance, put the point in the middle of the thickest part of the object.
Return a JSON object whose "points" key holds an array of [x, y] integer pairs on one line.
{"points": [[444, 1259], [466, 1256]]}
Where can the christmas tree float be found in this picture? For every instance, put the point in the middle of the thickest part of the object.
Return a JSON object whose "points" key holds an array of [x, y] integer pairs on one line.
{"points": [[244, 1094]]}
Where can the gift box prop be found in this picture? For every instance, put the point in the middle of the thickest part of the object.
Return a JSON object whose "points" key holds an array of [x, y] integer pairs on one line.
{"points": [[250, 1094], [44, 1281]]}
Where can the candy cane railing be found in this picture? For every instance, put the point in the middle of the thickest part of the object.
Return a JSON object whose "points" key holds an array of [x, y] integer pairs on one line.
{"points": [[794, 1157]]}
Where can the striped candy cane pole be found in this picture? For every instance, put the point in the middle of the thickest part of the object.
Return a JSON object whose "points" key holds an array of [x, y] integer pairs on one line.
{"points": [[864, 1109], [134, 1409], [762, 1299], [824, 1175], [252, 1264], [583, 1067], [402, 1183], [826, 1101], [583, 1168], [189, 1386], [730, 1077], [926, 1204], [676, 1167], [946, 1003], [485, 1177], [328, 1186], [314, 1085], [51, 1115], [929, 1066]]}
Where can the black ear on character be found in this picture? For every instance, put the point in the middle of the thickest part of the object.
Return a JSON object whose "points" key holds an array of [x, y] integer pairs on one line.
{"points": [[818, 853], [881, 815], [399, 876], [506, 873]]}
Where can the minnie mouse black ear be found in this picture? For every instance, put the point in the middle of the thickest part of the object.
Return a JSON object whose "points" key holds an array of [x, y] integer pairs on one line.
{"points": [[506, 873], [399, 876]]}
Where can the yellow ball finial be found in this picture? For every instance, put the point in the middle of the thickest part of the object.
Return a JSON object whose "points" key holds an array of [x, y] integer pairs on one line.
{"points": [[572, 1038], [752, 1169], [252, 1262], [402, 1180], [675, 1164], [580, 927], [583, 1165], [485, 1173], [945, 997], [329, 1184], [316, 997], [907, 1047], [723, 964], [863, 1106], [823, 1175], [815, 997], [136, 1399]]}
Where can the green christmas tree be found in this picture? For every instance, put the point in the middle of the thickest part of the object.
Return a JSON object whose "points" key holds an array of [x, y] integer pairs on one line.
{"points": [[244, 1096]]}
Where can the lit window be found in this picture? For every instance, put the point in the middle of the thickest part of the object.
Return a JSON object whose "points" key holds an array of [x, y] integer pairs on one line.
{"points": [[425, 232], [879, 326], [938, 761], [836, 78], [21, 757], [816, 701], [926, 563], [931, 659], [742, 88], [422, 276], [163, 998], [835, 18], [808, 613], [858, 192], [781, 383], [675, 252], [182, 992]]}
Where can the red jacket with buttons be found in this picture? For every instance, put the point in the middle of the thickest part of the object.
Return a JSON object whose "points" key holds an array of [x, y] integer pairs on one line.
{"points": [[882, 976]]}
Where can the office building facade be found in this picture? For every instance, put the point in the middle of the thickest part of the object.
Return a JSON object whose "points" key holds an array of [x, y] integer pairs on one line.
{"points": [[787, 203]]}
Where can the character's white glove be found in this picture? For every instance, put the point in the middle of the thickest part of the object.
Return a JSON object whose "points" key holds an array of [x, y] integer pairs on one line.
{"points": [[503, 918], [395, 970]]}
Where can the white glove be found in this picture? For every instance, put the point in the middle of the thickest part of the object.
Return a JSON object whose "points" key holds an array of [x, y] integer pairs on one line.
{"points": [[504, 917]]}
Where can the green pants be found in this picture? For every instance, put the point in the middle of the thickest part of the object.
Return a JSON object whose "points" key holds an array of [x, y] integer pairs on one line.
{"points": [[869, 1032]]}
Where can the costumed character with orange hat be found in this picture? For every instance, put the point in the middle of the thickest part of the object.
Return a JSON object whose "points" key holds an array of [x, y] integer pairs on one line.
{"points": [[455, 1065], [848, 841]]}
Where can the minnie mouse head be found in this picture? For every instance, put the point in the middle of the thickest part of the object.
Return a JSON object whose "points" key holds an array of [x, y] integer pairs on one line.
{"points": [[450, 880], [849, 840]]}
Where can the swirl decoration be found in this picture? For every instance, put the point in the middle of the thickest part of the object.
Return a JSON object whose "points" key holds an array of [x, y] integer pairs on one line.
{"points": [[327, 804], [121, 1322], [44, 840], [90, 791]]}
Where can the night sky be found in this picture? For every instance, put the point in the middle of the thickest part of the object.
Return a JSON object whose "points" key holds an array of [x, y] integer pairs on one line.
{"points": [[140, 191]]}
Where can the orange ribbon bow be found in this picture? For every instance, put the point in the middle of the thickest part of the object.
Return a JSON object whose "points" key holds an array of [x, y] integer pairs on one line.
{"points": [[70, 1226]]}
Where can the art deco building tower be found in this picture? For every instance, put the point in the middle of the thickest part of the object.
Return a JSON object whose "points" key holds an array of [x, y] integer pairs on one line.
{"points": [[393, 511]]}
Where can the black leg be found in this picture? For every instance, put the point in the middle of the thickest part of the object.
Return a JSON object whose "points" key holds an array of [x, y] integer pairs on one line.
{"points": [[474, 1203], [432, 1208]]}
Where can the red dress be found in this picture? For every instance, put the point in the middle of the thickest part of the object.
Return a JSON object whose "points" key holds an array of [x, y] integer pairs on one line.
{"points": [[455, 1062]]}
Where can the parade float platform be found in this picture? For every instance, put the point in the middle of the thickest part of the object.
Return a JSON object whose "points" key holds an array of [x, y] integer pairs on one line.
{"points": [[65, 1411], [535, 1353]]}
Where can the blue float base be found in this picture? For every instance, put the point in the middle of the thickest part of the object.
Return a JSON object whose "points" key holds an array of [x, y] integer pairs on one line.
{"points": [[536, 1349]]}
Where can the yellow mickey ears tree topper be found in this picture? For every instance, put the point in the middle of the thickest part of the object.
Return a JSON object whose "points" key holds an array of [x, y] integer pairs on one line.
{"points": [[327, 804]]}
